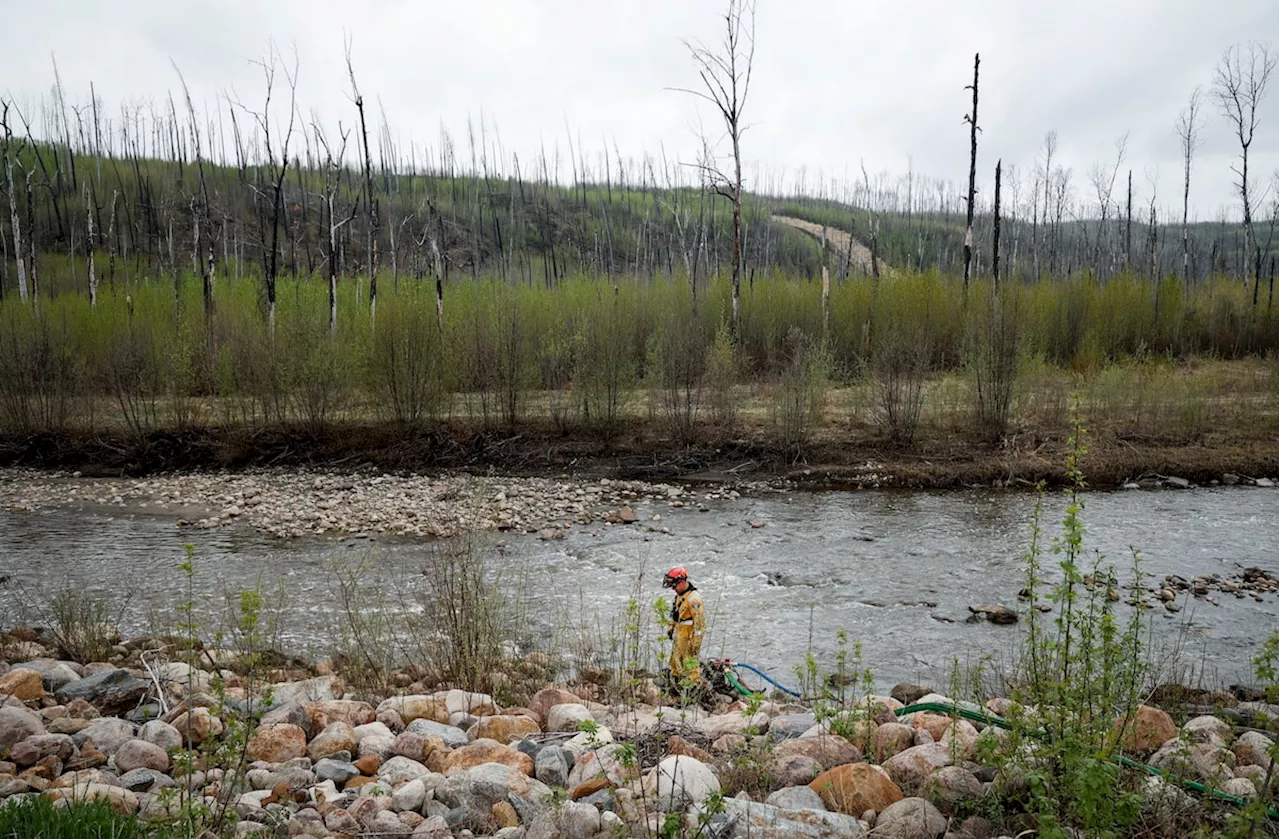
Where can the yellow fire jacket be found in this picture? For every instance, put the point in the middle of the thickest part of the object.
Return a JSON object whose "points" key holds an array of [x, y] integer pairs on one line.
{"points": [[688, 623]]}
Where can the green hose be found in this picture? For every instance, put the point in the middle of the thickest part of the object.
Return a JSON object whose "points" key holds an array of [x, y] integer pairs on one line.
{"points": [[735, 684], [1000, 722]]}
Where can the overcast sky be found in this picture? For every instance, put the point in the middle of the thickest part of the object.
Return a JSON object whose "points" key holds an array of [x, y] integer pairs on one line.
{"points": [[836, 83]]}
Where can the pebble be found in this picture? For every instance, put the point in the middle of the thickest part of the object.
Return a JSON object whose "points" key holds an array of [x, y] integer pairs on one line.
{"points": [[290, 504]]}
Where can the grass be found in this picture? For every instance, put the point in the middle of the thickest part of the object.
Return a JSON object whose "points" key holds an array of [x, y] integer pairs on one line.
{"points": [[36, 818]]}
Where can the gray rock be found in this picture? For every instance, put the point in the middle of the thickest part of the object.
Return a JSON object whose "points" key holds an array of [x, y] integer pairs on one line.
{"points": [[680, 780], [112, 691], [796, 798], [338, 771], [744, 819], [409, 796], [294, 713], [53, 674], [552, 765], [160, 733], [435, 827], [107, 733], [398, 769], [570, 820], [910, 818], [476, 790], [18, 724], [452, 736], [788, 726], [146, 780], [29, 751]]}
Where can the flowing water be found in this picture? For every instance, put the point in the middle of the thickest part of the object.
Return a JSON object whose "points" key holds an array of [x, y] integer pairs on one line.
{"points": [[890, 568]]}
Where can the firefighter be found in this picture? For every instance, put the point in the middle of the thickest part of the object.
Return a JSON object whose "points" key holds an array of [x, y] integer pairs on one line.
{"points": [[686, 627]]}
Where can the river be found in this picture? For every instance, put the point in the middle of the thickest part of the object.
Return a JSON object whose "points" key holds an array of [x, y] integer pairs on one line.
{"points": [[781, 574]]}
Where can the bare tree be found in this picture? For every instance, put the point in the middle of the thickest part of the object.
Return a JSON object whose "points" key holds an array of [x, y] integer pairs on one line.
{"points": [[371, 235], [1188, 126], [1104, 183], [972, 119], [1239, 85], [203, 237], [726, 77], [13, 204]]}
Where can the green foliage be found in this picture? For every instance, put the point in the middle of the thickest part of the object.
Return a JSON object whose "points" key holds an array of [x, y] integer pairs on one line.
{"points": [[1079, 675], [35, 818]]}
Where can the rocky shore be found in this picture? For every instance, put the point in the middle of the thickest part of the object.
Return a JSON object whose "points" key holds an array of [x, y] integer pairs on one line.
{"points": [[151, 736], [294, 503]]}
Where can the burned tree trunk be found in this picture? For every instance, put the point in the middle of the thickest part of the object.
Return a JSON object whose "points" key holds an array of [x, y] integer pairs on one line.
{"points": [[972, 119], [995, 235]]}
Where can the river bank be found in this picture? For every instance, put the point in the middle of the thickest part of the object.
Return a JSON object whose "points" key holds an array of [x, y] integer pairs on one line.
{"points": [[253, 750], [639, 451]]}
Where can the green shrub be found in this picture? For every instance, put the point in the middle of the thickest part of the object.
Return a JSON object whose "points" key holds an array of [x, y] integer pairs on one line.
{"points": [[35, 818]]}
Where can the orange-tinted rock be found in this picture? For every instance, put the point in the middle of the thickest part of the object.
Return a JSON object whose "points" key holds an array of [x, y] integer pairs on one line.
{"points": [[547, 698], [350, 711], [588, 787], [368, 764], [488, 751], [677, 745], [504, 728], [277, 743], [1147, 731], [504, 815], [23, 683], [935, 724], [855, 788]]}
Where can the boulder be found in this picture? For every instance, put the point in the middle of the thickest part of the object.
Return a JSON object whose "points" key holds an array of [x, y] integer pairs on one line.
{"points": [[995, 612], [108, 734], [349, 711], [409, 796], [487, 751], [910, 818], [677, 745], [277, 743], [935, 724], [552, 765], [547, 698], [567, 716], [319, 689], [794, 771], [198, 724], [796, 798], [960, 738], [146, 780], [1207, 762], [951, 786], [293, 713], [336, 737], [337, 771], [161, 734], [478, 788], [399, 770], [717, 725], [679, 781], [891, 738], [117, 798], [18, 723], [111, 691], [1208, 729], [54, 674], [907, 693], [22, 683], [139, 754], [788, 726], [570, 820], [417, 707], [34, 749], [1146, 731], [744, 819], [601, 763], [910, 768], [452, 736], [829, 750], [415, 746], [854, 788], [1253, 748], [503, 728]]}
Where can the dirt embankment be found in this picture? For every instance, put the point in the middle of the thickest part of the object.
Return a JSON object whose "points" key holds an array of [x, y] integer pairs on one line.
{"points": [[637, 451]]}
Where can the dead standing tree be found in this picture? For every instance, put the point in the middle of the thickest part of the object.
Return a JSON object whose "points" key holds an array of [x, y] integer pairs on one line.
{"points": [[1188, 126], [972, 120], [270, 260], [726, 75], [371, 234], [1239, 86]]}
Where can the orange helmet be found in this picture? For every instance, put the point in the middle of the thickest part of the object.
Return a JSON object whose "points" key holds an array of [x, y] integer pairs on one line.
{"points": [[674, 576]]}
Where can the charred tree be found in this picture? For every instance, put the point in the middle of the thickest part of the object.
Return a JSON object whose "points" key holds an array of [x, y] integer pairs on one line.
{"points": [[972, 119]]}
